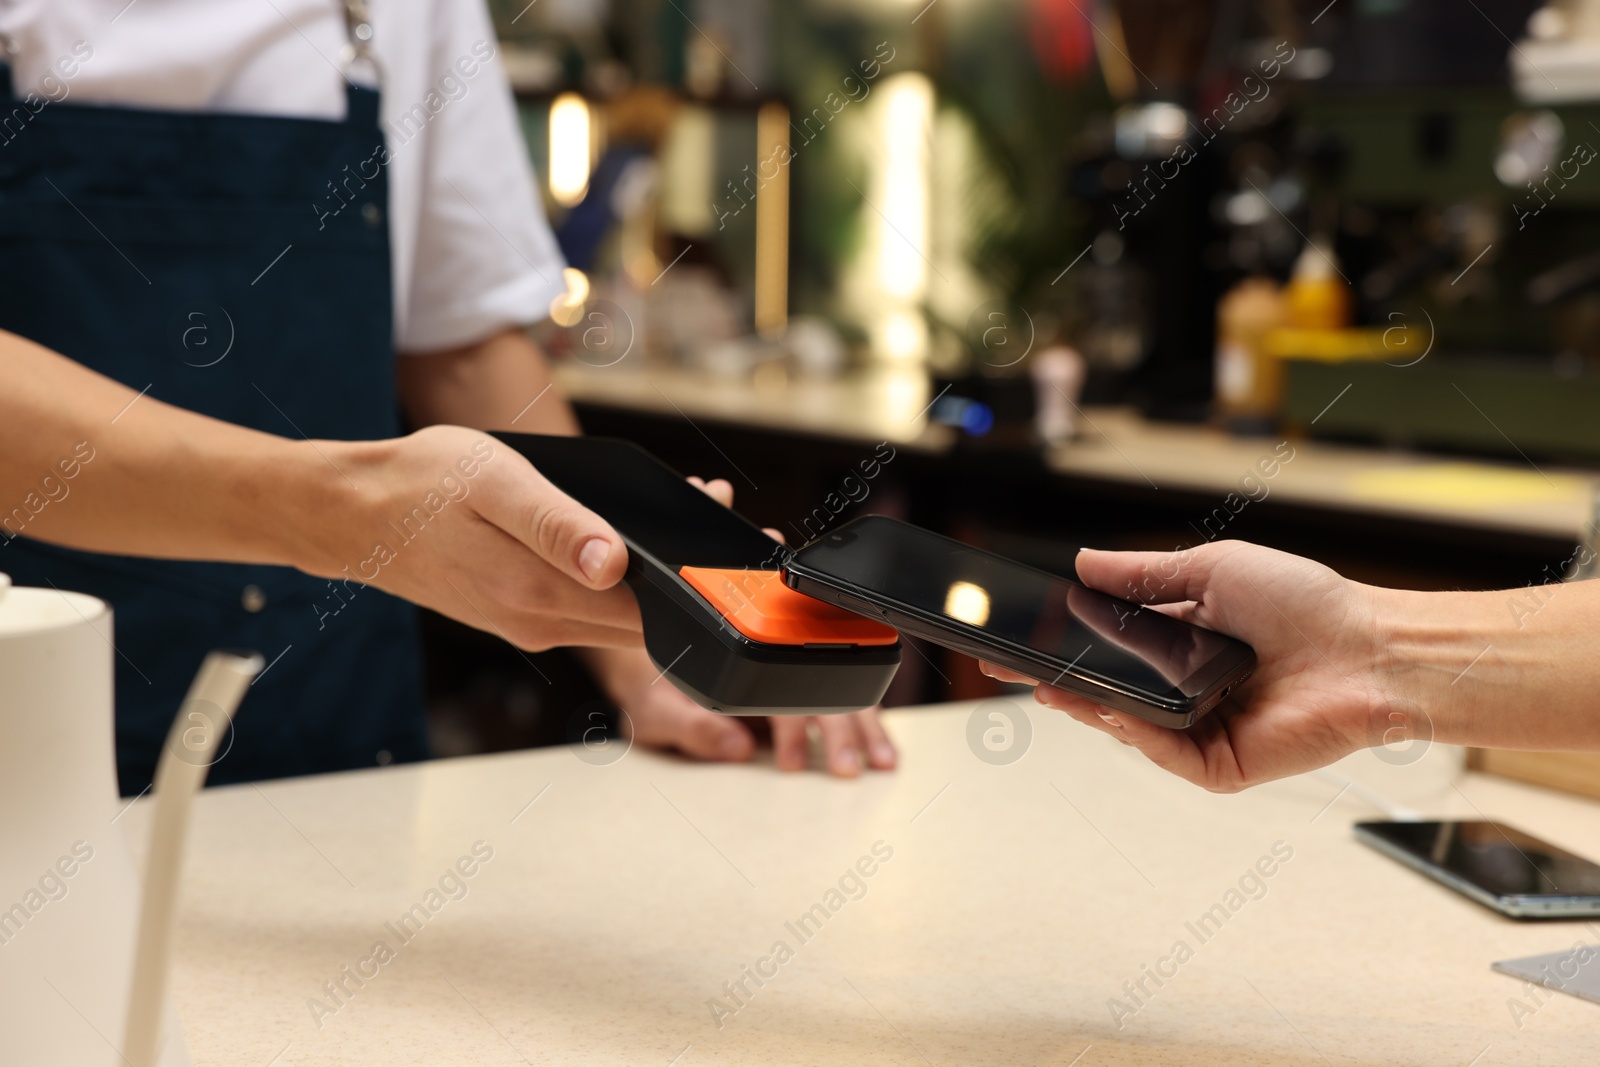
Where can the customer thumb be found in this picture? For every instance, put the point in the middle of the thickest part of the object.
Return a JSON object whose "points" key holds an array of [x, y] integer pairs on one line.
{"points": [[1148, 577]]}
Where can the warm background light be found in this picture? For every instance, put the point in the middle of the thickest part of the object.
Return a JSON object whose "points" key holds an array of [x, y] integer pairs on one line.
{"points": [[570, 148], [899, 214], [772, 220], [905, 123], [567, 309]]}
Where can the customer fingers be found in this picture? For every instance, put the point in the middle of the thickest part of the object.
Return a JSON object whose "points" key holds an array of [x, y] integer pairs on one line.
{"points": [[1151, 577], [1085, 711], [1004, 674], [1171, 750]]}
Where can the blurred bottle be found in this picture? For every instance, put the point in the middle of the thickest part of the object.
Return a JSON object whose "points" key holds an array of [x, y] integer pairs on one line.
{"points": [[1317, 296], [1249, 382], [1058, 374]]}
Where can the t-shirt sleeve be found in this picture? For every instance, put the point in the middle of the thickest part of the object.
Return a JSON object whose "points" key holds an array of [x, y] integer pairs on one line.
{"points": [[484, 258]]}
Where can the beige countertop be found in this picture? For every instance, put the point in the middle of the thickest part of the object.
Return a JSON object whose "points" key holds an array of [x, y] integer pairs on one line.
{"points": [[1016, 902], [1116, 445]]}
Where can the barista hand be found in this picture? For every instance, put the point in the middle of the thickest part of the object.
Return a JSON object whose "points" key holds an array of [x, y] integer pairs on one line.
{"points": [[658, 715], [498, 548], [456, 521], [1321, 688], [850, 742]]}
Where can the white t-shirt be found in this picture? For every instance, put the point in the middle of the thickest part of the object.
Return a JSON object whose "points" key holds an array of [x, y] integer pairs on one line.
{"points": [[472, 251]]}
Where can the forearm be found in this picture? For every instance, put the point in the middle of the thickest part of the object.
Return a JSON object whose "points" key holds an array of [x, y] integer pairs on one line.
{"points": [[89, 463], [1506, 669], [502, 383]]}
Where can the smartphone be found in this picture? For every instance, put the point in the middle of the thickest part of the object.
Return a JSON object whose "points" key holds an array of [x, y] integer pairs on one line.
{"points": [[1114, 652], [1500, 867]]}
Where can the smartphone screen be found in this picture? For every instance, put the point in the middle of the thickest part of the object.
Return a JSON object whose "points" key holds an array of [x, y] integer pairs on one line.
{"points": [[1072, 626], [648, 502], [1500, 860]]}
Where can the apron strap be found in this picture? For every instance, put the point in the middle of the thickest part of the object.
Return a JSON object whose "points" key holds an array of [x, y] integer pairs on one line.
{"points": [[8, 48], [358, 40], [361, 104]]}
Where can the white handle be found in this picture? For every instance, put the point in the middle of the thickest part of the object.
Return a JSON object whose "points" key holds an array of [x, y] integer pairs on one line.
{"points": [[191, 747]]}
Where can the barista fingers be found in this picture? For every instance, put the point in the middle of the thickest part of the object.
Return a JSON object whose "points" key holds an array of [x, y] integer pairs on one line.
{"points": [[451, 86], [52, 886], [852, 885], [450, 489]]}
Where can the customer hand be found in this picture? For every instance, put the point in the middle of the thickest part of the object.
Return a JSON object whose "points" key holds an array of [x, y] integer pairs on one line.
{"points": [[1175, 652], [456, 521], [1320, 683]]}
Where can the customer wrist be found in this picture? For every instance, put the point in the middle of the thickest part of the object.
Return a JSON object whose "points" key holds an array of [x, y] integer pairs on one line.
{"points": [[1438, 665]]}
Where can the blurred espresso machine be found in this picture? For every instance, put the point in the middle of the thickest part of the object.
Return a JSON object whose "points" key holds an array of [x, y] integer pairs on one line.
{"points": [[1438, 161], [1145, 300]]}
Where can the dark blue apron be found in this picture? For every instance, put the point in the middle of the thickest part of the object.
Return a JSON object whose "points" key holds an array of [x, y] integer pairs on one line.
{"points": [[238, 266]]}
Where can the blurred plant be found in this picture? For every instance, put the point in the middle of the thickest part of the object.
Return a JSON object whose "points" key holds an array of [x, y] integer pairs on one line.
{"points": [[1023, 80]]}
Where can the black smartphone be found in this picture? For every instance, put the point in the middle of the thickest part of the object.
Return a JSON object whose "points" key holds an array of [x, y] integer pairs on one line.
{"points": [[1051, 628], [1500, 867]]}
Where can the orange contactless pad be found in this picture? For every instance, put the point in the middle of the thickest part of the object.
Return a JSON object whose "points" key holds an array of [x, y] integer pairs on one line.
{"points": [[762, 608]]}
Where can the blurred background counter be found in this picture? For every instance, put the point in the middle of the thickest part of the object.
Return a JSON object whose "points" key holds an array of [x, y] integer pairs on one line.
{"points": [[1118, 447]]}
